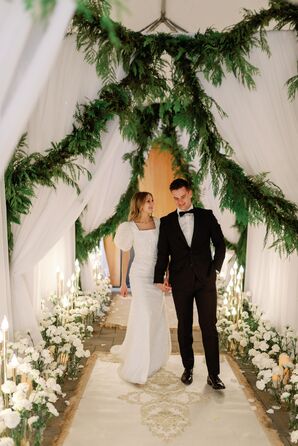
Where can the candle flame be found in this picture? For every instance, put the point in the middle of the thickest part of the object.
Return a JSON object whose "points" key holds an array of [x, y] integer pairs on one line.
{"points": [[4, 324], [14, 361]]}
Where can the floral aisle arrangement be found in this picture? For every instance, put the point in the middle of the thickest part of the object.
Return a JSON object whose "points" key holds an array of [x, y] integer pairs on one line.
{"points": [[31, 375], [273, 354]]}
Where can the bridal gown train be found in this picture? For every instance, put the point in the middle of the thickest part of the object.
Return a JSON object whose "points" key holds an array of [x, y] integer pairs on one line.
{"points": [[147, 344]]}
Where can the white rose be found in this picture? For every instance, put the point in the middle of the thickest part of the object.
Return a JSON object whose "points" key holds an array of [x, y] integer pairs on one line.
{"points": [[294, 436], [263, 346], [57, 340], [32, 420], [275, 348], [52, 409], [52, 398], [277, 371], [294, 378], [260, 385], [11, 418], [6, 441], [252, 352], [23, 387], [80, 353], [266, 373], [20, 404], [24, 368], [35, 356], [243, 342], [8, 387]]}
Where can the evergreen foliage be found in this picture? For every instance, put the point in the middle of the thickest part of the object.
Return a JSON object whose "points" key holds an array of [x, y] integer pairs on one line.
{"points": [[160, 96]]}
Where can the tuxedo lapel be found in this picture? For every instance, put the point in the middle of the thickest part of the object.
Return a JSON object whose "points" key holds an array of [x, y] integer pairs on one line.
{"points": [[178, 228], [195, 226]]}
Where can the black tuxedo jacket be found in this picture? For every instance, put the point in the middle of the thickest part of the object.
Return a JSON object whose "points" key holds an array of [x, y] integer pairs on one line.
{"points": [[187, 261]]}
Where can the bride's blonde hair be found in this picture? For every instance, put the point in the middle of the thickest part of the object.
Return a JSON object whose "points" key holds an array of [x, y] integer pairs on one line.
{"points": [[136, 204]]}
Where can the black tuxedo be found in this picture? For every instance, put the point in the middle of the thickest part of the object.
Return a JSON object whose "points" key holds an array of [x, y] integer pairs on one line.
{"points": [[192, 274]]}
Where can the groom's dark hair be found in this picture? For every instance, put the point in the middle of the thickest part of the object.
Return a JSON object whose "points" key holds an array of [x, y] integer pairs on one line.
{"points": [[178, 183]]}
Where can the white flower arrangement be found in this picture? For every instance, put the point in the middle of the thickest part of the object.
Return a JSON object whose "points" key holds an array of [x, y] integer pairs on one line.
{"points": [[274, 355], [28, 397]]}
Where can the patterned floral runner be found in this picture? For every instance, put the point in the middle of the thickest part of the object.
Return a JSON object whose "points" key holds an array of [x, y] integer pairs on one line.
{"points": [[165, 412]]}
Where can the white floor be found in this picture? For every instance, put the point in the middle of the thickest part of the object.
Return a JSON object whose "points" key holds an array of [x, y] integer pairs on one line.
{"points": [[164, 411]]}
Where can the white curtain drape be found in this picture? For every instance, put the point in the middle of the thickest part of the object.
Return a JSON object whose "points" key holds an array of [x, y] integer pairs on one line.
{"points": [[112, 182], [62, 257], [5, 295], [262, 128], [27, 51], [52, 214]]}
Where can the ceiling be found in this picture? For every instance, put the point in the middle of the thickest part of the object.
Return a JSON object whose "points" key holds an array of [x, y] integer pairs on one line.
{"points": [[192, 15]]}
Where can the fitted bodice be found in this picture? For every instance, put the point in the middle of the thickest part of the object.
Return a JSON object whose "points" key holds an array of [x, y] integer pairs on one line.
{"points": [[144, 243]]}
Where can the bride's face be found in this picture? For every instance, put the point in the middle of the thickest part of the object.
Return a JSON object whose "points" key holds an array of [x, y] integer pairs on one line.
{"points": [[148, 205]]}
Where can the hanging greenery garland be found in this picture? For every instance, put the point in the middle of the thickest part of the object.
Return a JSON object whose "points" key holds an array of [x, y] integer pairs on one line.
{"points": [[184, 105], [211, 52]]}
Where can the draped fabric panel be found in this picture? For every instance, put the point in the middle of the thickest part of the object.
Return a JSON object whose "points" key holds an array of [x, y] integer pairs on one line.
{"points": [[61, 256], [113, 177], [54, 212], [27, 51], [262, 128], [5, 295], [71, 81]]}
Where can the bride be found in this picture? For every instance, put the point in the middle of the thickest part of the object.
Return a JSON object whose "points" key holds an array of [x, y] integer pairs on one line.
{"points": [[147, 345]]}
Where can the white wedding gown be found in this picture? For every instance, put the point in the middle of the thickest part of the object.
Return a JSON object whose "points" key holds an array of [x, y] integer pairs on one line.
{"points": [[147, 343]]}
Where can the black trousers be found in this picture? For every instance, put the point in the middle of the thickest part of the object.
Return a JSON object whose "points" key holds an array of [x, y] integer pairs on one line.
{"points": [[205, 296]]}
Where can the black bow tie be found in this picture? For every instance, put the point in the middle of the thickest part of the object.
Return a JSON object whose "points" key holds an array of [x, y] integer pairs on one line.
{"points": [[191, 211]]}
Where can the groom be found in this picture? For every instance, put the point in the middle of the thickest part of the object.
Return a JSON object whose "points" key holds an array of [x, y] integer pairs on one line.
{"points": [[185, 237]]}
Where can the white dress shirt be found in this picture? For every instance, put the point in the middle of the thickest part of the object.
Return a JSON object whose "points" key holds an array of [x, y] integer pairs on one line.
{"points": [[186, 223]]}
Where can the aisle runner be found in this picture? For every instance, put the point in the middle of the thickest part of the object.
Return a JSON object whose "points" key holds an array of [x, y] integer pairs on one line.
{"points": [[165, 412], [118, 314]]}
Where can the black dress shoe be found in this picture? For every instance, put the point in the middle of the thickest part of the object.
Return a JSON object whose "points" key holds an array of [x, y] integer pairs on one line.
{"points": [[215, 382], [186, 377]]}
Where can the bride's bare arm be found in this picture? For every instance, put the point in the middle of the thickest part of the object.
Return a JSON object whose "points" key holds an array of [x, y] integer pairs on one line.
{"points": [[124, 268]]}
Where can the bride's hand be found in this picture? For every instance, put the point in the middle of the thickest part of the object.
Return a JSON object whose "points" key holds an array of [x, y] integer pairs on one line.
{"points": [[123, 290], [165, 288]]}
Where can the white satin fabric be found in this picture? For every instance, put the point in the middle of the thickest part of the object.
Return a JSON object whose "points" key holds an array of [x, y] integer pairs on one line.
{"points": [[146, 346]]}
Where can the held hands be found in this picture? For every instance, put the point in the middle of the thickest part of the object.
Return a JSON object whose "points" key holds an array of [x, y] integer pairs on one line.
{"points": [[164, 287], [123, 290]]}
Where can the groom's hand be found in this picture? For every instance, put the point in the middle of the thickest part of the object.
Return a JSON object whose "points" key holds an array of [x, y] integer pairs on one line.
{"points": [[164, 287]]}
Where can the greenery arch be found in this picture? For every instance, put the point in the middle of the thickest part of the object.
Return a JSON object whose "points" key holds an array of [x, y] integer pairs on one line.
{"points": [[145, 100]]}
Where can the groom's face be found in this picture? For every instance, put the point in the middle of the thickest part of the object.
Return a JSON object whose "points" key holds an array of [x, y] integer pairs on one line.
{"points": [[182, 198]]}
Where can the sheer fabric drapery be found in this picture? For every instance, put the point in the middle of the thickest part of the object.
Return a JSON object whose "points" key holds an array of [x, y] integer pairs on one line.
{"points": [[54, 212], [5, 295], [113, 179], [262, 128], [28, 50]]}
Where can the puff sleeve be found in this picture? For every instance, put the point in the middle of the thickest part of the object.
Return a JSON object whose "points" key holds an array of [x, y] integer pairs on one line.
{"points": [[124, 236]]}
